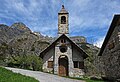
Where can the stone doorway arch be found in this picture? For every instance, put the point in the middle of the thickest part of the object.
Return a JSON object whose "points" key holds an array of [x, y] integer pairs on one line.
{"points": [[63, 65]]}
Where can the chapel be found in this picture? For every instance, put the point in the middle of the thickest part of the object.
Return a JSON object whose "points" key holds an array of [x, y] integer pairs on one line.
{"points": [[64, 57]]}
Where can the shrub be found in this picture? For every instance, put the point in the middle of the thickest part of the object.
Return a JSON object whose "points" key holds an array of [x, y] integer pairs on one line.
{"points": [[31, 62]]}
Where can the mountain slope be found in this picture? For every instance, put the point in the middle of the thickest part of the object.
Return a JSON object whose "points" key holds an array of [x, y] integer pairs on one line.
{"points": [[18, 40]]}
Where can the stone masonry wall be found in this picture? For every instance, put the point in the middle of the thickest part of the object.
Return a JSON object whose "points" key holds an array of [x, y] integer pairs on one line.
{"points": [[49, 56], [58, 54], [111, 57], [73, 72], [55, 53]]}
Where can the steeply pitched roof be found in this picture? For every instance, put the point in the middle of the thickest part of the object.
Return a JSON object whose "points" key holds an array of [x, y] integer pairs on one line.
{"points": [[63, 11], [53, 45], [109, 33]]}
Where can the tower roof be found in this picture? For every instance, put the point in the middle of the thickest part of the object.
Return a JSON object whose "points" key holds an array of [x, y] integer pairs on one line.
{"points": [[63, 11]]}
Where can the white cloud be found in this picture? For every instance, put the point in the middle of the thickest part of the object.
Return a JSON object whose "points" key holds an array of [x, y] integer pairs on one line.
{"points": [[41, 15], [99, 42]]}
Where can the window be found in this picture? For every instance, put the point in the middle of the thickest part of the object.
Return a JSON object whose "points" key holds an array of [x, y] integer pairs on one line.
{"points": [[111, 45], [75, 64], [63, 49], [50, 64], [63, 20], [78, 64], [63, 41]]}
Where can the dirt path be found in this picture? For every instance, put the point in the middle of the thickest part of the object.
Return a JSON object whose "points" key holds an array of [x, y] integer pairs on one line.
{"points": [[42, 77]]}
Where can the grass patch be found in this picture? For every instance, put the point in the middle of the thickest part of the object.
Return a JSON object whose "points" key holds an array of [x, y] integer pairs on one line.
{"points": [[89, 80], [9, 76], [86, 79]]}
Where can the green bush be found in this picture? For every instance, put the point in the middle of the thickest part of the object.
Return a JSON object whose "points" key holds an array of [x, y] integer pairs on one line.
{"points": [[31, 62]]}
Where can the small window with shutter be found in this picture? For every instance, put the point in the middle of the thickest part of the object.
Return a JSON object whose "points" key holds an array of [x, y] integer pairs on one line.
{"points": [[50, 64], [63, 41], [78, 64]]}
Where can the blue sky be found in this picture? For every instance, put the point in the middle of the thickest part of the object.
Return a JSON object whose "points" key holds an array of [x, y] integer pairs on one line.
{"points": [[89, 18]]}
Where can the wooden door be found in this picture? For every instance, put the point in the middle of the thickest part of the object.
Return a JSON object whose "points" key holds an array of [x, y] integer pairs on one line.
{"points": [[63, 67]]}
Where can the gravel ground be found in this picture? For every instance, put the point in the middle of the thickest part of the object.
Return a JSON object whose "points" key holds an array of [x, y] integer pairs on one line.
{"points": [[43, 77]]}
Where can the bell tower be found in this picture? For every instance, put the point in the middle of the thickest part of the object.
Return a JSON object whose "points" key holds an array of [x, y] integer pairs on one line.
{"points": [[63, 22]]}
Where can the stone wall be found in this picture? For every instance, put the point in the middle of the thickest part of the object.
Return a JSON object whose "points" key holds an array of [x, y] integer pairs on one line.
{"points": [[72, 54], [63, 28], [76, 56], [58, 53], [111, 57], [49, 56], [76, 72]]}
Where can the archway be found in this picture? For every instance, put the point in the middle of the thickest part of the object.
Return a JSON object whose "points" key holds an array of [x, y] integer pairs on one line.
{"points": [[63, 65], [63, 20]]}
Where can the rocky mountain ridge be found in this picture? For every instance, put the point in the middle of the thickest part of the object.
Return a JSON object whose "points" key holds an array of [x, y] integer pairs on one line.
{"points": [[19, 36], [18, 39]]}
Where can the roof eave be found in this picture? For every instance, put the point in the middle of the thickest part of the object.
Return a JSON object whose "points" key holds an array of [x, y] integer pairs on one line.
{"points": [[60, 13], [42, 53], [110, 31]]}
